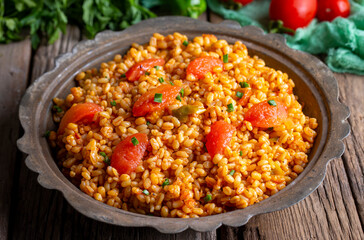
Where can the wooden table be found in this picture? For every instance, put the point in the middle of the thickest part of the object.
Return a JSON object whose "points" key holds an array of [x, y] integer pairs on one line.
{"points": [[28, 211]]}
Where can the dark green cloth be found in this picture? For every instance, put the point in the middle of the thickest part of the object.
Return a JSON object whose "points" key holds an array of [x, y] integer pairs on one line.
{"points": [[342, 39]]}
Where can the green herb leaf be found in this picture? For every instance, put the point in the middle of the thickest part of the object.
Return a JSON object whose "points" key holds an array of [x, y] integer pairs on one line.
{"points": [[161, 80], [230, 107], [225, 58], [185, 43], [182, 92], [147, 73], [135, 141], [58, 109], [179, 98], [148, 123], [232, 172], [171, 83], [272, 103], [166, 182], [239, 94], [107, 160], [46, 134], [122, 75], [244, 84], [208, 198], [146, 192], [156, 67], [241, 153], [113, 103], [158, 97]]}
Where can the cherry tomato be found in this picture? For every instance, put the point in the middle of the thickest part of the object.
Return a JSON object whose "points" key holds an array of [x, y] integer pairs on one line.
{"points": [[219, 137], [328, 10], [266, 115], [243, 2], [294, 13], [128, 155], [146, 103], [139, 69], [202, 65], [80, 113]]}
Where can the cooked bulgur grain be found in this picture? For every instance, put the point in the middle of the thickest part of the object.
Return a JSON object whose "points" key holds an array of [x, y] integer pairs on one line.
{"points": [[177, 177]]}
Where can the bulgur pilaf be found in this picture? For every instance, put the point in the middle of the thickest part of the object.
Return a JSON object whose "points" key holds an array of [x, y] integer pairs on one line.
{"points": [[177, 174]]}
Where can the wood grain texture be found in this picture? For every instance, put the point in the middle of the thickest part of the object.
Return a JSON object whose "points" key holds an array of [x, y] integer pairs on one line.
{"points": [[36, 211], [14, 75], [351, 90]]}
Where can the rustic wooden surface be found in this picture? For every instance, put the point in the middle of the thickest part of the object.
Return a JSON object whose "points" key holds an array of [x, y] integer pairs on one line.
{"points": [[28, 211]]}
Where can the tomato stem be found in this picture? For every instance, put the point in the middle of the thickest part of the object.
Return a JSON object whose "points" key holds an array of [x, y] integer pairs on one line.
{"points": [[277, 27]]}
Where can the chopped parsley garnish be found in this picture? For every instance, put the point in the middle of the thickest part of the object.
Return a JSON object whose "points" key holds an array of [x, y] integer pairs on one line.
{"points": [[146, 192], [161, 80], [158, 97], [230, 107], [148, 123], [179, 98], [113, 103], [135, 141], [225, 58], [272, 103], [239, 94], [58, 109], [232, 172], [185, 43], [182, 92], [166, 182], [46, 134], [241, 153], [122, 75], [208, 198], [244, 84], [156, 67], [147, 73], [106, 158], [171, 83]]}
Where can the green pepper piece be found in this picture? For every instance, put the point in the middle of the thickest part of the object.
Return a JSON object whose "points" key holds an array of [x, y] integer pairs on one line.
{"points": [[183, 112]]}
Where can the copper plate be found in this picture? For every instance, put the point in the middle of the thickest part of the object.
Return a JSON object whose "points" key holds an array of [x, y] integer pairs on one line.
{"points": [[315, 86]]}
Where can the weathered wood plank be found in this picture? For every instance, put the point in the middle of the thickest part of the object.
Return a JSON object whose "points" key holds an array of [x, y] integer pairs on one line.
{"points": [[14, 67], [36, 211], [351, 90]]}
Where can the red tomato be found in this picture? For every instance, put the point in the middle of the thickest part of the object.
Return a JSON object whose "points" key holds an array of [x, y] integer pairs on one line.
{"points": [[145, 104], [80, 113], [126, 157], [265, 115], [293, 13], [202, 65], [245, 99], [243, 2], [139, 69], [328, 10], [219, 137]]}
